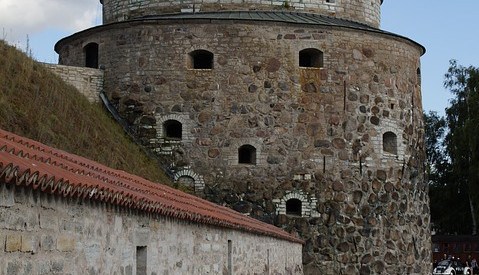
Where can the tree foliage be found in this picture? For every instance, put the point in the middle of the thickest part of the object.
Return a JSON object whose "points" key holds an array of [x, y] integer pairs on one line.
{"points": [[452, 146]]}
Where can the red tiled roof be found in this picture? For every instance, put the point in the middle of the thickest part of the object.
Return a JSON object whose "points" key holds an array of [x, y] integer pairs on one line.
{"points": [[29, 163]]}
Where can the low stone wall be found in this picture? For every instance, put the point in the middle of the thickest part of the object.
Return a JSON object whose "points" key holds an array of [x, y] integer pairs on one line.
{"points": [[43, 234], [88, 81]]}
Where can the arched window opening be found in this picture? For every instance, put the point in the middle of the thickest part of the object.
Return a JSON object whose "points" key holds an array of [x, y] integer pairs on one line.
{"points": [[247, 154], [200, 59], [91, 55], [390, 143], [311, 58], [418, 76], [172, 129], [187, 181], [293, 207]]}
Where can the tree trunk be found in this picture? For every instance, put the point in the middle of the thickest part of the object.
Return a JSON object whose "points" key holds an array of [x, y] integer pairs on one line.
{"points": [[473, 216]]}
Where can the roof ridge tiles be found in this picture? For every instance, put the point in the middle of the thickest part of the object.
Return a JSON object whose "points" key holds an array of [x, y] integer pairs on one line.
{"points": [[58, 172]]}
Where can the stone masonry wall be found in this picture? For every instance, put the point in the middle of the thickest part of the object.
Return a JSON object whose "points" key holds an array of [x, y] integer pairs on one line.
{"points": [[318, 132], [365, 11], [42, 234], [88, 81]]}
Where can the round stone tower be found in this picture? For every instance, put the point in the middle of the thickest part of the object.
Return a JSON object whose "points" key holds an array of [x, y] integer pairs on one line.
{"points": [[365, 11], [302, 114]]}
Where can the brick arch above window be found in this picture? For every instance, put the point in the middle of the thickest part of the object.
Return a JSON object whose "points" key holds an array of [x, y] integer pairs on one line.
{"points": [[187, 172], [289, 203]]}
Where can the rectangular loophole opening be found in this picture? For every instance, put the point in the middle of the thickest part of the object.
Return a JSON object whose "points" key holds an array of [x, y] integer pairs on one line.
{"points": [[230, 257], [141, 256]]}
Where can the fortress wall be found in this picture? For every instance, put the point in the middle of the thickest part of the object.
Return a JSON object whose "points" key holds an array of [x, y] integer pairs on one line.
{"points": [[88, 81], [42, 234], [317, 131], [365, 11]]}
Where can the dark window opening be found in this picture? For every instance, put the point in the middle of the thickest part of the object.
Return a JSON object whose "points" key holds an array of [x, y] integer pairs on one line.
{"points": [[247, 154], [141, 260], [311, 58], [91, 55], [329, 1], [293, 207], [173, 129], [187, 181], [201, 59], [390, 142]]}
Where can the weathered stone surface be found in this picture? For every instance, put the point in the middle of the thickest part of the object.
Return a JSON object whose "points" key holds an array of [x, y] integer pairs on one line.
{"points": [[204, 117], [66, 243], [339, 143], [13, 243], [213, 153], [381, 174], [322, 143], [273, 65]]}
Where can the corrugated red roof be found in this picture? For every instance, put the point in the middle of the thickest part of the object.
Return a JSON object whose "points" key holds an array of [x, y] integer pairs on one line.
{"points": [[29, 163]]}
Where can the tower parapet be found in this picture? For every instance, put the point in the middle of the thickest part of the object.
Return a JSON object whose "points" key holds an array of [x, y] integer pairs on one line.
{"points": [[364, 11]]}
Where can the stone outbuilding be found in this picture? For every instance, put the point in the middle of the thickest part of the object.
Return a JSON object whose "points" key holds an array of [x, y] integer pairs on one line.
{"points": [[64, 214], [302, 114]]}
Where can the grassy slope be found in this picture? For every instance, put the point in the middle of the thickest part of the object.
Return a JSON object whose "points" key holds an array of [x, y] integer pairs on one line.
{"points": [[37, 104]]}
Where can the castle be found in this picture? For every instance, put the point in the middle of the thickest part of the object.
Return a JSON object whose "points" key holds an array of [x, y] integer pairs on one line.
{"points": [[303, 114]]}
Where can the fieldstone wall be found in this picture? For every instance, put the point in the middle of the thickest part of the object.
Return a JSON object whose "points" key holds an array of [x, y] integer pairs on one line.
{"points": [[365, 11], [319, 132], [42, 234], [88, 81]]}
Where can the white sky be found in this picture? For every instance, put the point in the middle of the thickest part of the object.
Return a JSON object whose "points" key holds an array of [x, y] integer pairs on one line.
{"points": [[448, 29]]}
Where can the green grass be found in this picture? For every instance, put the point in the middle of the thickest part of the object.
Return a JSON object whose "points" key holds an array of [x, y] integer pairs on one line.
{"points": [[37, 104]]}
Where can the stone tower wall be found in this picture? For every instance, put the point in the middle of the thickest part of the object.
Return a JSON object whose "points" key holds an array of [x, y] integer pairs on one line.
{"points": [[318, 132], [365, 11]]}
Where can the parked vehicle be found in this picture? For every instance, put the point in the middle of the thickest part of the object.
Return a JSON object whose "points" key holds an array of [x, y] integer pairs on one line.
{"points": [[451, 267]]}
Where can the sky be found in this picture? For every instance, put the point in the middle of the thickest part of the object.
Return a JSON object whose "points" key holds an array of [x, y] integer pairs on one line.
{"points": [[448, 29]]}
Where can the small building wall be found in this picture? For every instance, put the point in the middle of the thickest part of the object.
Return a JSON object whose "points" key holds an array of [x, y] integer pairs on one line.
{"points": [[87, 80], [43, 234]]}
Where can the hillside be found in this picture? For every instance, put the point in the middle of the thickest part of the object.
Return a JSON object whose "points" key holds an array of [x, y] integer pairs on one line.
{"points": [[37, 104]]}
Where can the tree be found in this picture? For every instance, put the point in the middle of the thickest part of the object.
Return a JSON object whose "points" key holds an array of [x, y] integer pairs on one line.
{"points": [[462, 139], [443, 190], [435, 130]]}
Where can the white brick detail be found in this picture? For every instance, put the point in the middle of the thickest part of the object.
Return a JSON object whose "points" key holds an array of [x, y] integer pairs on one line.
{"points": [[308, 203]]}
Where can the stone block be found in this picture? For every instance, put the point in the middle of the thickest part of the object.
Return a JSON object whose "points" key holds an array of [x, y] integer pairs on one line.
{"points": [[13, 243], [48, 221], [6, 196], [29, 244], [57, 267], [13, 268], [66, 243], [47, 243]]}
